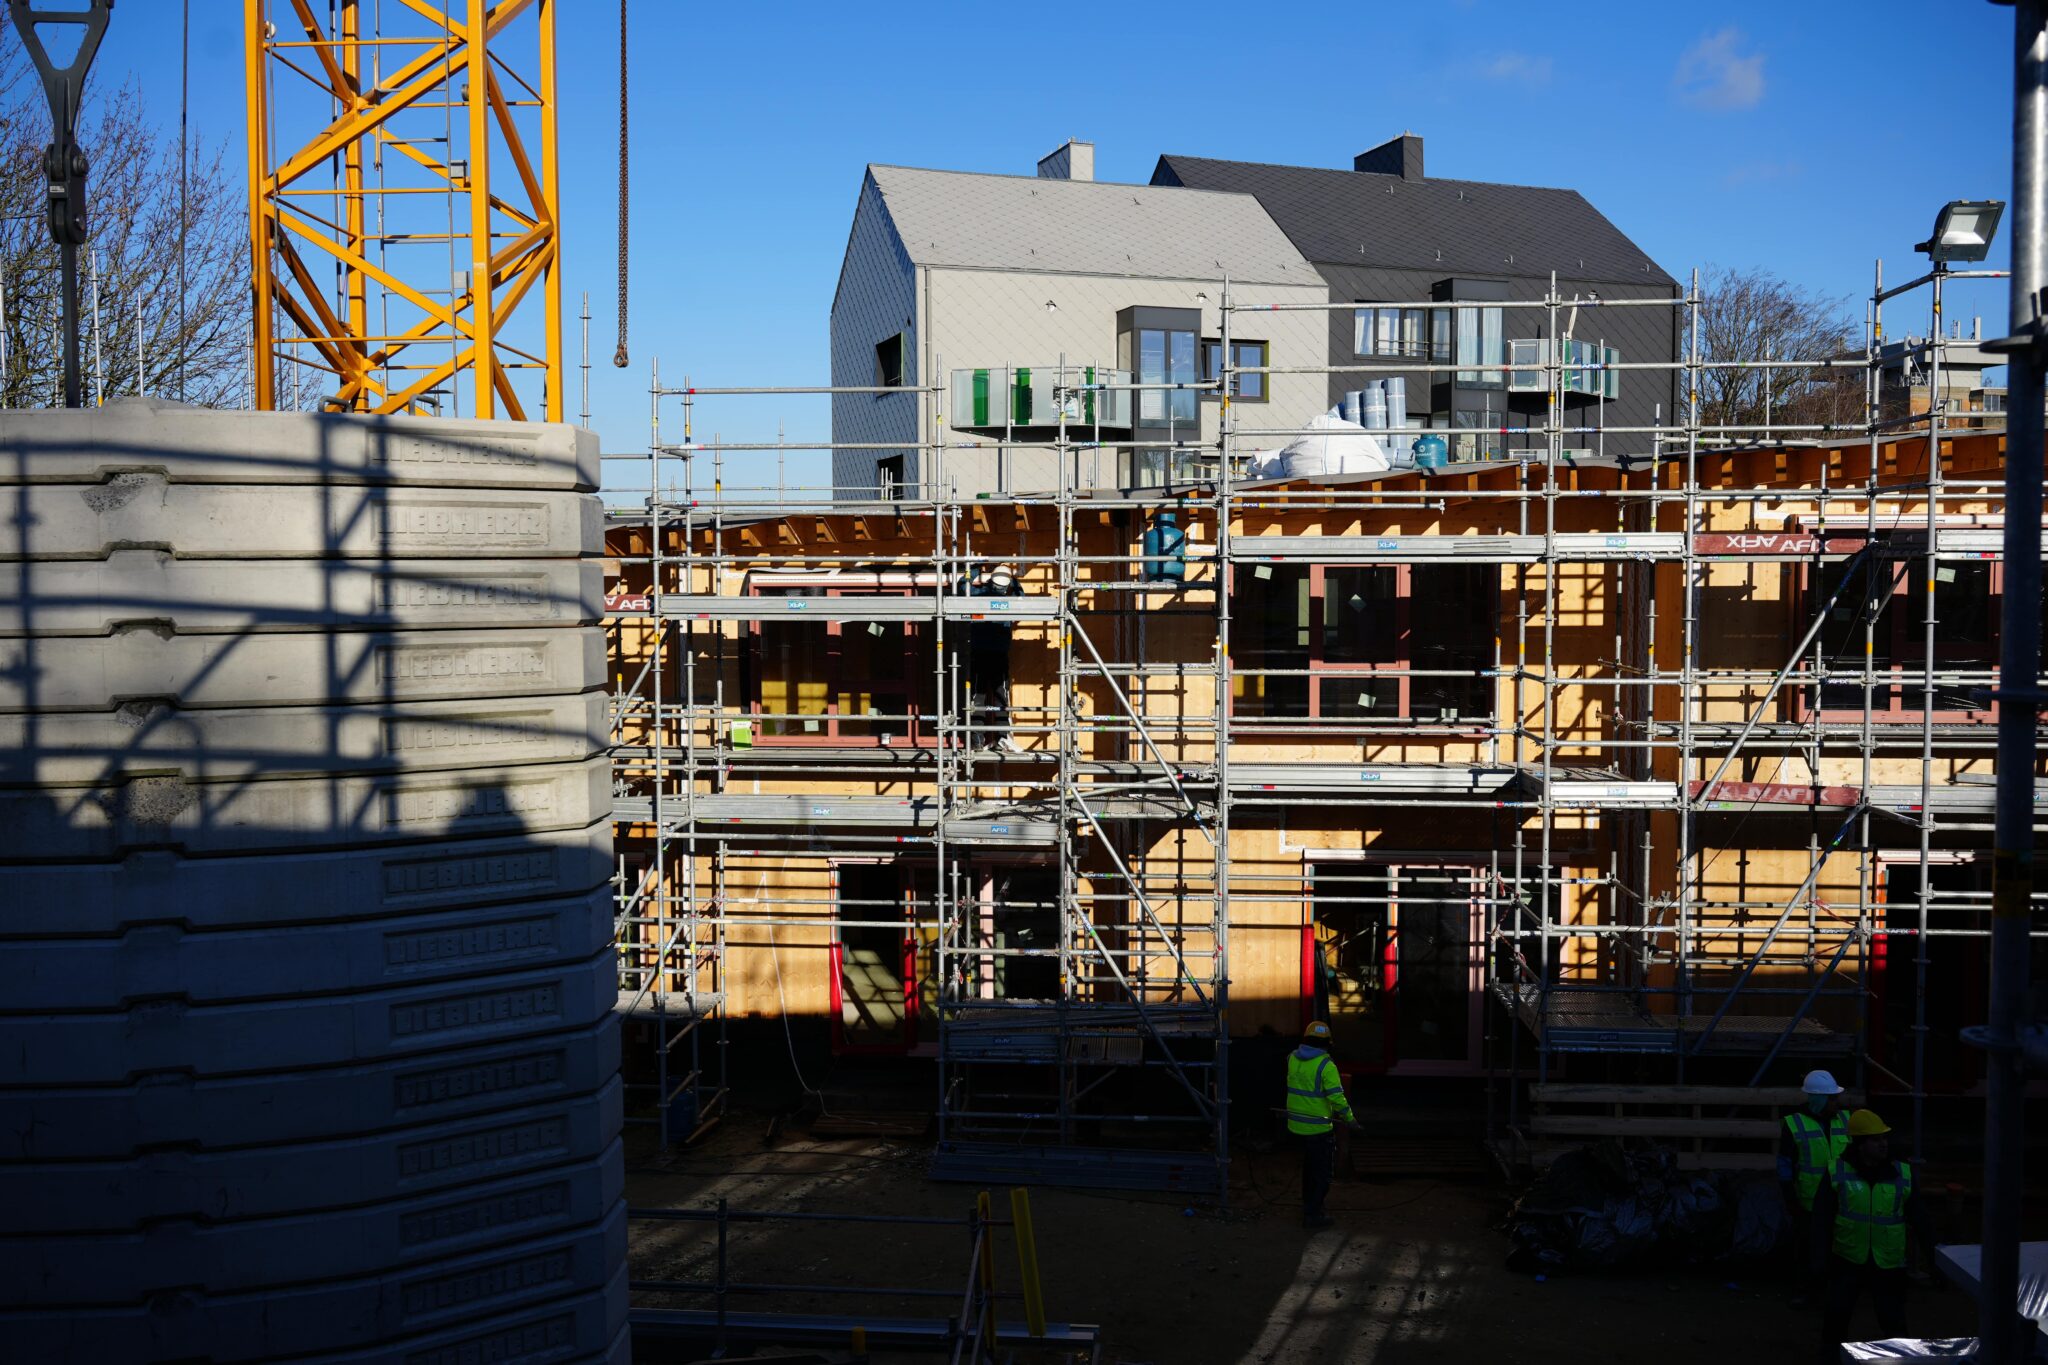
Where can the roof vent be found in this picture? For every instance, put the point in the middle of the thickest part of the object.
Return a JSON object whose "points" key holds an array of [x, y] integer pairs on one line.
{"points": [[1070, 160], [1400, 156]]}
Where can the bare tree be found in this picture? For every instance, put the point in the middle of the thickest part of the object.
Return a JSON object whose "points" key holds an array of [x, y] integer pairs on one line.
{"points": [[200, 354], [1755, 315]]}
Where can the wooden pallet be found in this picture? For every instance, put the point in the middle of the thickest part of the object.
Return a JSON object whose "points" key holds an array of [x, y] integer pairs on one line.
{"points": [[1711, 1127]]}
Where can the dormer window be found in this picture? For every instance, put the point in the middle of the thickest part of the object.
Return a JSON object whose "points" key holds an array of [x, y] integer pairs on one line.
{"points": [[889, 362]]}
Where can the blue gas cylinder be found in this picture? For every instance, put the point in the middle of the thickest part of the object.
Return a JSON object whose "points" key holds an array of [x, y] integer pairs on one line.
{"points": [[1166, 550], [1431, 452]]}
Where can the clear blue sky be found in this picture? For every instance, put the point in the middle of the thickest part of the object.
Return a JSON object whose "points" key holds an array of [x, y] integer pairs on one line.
{"points": [[1805, 137]]}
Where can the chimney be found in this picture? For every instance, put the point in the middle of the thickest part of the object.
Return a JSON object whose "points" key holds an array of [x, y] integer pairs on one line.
{"points": [[1400, 156], [1070, 160]]}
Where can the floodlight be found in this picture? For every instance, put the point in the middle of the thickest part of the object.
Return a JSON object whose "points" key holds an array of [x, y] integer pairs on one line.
{"points": [[1963, 231]]}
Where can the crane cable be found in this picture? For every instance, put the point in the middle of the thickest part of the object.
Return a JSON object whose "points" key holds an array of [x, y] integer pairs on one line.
{"points": [[619, 356]]}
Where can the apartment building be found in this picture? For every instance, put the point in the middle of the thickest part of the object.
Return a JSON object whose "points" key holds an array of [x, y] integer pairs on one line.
{"points": [[1383, 236], [1033, 302], [1009, 306]]}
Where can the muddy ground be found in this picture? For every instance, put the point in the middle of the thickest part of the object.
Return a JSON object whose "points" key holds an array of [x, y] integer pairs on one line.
{"points": [[1414, 1269]]}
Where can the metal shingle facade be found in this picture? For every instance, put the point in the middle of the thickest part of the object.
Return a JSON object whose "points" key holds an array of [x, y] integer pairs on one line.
{"points": [[1008, 222], [1450, 227]]}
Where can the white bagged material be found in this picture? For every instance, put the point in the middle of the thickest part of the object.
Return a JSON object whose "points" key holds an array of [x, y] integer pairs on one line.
{"points": [[1330, 446], [1265, 464]]}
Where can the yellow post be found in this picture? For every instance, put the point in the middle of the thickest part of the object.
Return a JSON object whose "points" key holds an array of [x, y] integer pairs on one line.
{"points": [[1027, 1259], [988, 1276], [550, 179], [263, 393], [354, 209], [477, 99]]}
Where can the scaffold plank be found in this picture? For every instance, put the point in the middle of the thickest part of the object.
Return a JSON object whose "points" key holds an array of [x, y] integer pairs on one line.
{"points": [[712, 607]]}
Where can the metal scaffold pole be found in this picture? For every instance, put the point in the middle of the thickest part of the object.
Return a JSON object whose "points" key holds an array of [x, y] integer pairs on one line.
{"points": [[2003, 1331], [1618, 828], [1219, 834]]}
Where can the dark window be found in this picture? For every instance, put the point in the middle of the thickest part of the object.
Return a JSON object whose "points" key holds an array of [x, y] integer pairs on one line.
{"points": [[1393, 968], [889, 362], [840, 681], [1885, 592], [1246, 388], [886, 956], [889, 476], [1346, 642], [1377, 330], [1027, 933], [875, 955]]}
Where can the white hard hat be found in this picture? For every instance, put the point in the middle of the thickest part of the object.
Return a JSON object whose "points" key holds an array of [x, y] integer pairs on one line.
{"points": [[1820, 1083]]}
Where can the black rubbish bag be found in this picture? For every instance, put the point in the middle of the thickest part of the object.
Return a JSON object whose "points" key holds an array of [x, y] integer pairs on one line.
{"points": [[1607, 1206], [1759, 1222]]}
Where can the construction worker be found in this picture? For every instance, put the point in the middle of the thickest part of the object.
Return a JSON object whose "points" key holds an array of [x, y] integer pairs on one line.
{"points": [[1813, 1140], [988, 665], [1315, 1105], [1862, 1214]]}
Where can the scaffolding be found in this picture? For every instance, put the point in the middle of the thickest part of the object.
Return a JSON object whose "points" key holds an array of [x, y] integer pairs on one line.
{"points": [[1612, 913]]}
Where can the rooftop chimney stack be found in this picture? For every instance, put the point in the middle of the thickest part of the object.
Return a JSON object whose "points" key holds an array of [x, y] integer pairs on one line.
{"points": [[1070, 160], [1400, 156]]}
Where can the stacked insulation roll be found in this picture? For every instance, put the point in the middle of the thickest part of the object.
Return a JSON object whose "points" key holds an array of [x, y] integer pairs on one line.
{"points": [[307, 1047]]}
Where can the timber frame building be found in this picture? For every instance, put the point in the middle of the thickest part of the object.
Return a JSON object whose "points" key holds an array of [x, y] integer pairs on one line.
{"points": [[1493, 768]]}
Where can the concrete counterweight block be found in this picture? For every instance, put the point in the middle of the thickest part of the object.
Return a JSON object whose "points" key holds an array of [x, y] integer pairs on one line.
{"points": [[308, 1042]]}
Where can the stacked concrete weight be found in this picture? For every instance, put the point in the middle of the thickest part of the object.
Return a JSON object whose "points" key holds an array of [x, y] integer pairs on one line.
{"points": [[306, 986]]}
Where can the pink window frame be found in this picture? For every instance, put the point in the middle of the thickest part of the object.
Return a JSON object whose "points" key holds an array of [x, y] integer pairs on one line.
{"points": [[919, 736], [1319, 668]]}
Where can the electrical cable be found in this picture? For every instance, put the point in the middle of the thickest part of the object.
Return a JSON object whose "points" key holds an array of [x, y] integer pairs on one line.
{"points": [[788, 1035], [619, 356]]}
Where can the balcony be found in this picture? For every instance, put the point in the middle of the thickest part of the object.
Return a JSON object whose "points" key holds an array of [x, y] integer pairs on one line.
{"points": [[1587, 368], [1037, 399]]}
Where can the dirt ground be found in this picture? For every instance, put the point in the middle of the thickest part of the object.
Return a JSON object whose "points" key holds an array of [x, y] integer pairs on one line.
{"points": [[1413, 1270]]}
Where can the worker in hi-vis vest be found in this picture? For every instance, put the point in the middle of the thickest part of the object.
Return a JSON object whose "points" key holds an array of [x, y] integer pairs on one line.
{"points": [[1315, 1106], [1862, 1215], [1812, 1141]]}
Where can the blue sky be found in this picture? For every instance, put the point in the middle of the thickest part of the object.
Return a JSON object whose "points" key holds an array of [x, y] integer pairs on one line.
{"points": [[1808, 138]]}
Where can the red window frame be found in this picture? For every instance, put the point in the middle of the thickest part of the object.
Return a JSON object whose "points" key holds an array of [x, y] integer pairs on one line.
{"points": [[1898, 687], [1389, 1060], [918, 726], [1399, 669], [910, 905]]}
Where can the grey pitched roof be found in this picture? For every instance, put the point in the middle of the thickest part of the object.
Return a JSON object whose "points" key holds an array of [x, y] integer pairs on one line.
{"points": [[1014, 222], [1365, 218]]}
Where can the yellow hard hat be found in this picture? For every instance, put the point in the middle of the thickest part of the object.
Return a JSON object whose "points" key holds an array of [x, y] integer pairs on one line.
{"points": [[1318, 1030], [1865, 1123]]}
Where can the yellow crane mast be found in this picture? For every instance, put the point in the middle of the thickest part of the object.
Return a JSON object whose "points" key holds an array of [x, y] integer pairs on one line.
{"points": [[397, 218]]}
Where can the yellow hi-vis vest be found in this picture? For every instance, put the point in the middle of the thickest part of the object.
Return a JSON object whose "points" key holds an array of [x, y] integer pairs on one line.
{"points": [[1870, 1220], [1818, 1151], [1315, 1094]]}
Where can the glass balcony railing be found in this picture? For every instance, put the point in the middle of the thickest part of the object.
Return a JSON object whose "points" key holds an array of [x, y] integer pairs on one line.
{"points": [[1586, 368], [995, 399]]}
